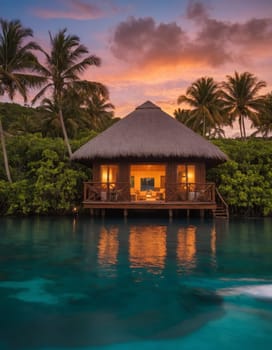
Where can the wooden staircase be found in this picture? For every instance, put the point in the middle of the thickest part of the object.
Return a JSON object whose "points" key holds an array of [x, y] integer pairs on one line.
{"points": [[222, 209]]}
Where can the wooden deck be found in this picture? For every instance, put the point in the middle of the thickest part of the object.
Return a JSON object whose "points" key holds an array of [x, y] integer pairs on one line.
{"points": [[115, 196], [149, 205]]}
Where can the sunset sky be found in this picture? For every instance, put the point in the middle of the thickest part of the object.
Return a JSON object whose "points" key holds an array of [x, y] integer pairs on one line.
{"points": [[154, 49]]}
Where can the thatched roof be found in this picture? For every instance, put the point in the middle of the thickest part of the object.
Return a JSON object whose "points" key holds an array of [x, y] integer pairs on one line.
{"points": [[148, 132]]}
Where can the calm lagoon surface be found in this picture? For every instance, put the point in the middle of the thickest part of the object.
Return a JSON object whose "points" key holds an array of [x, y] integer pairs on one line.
{"points": [[139, 283]]}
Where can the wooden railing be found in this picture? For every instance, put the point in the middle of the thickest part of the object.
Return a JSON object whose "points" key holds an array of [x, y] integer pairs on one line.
{"points": [[106, 191], [222, 206], [190, 192], [120, 191]]}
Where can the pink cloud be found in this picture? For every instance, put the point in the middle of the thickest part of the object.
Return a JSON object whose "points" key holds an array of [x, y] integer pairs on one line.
{"points": [[78, 9], [145, 43]]}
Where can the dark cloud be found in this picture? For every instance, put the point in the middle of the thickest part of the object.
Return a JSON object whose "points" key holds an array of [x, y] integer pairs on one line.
{"points": [[196, 11], [142, 39], [144, 42], [254, 31]]}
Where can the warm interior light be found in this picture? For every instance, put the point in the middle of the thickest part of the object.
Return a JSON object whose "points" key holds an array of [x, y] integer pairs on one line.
{"points": [[147, 177], [191, 176], [104, 174], [186, 173], [108, 173]]}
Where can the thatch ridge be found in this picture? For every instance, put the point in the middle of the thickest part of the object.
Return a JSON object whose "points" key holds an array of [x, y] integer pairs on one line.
{"points": [[148, 132]]}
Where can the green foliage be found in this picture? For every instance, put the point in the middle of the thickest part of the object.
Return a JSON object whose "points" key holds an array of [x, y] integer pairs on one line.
{"points": [[18, 120], [4, 196], [245, 181], [55, 188], [20, 198], [46, 182]]}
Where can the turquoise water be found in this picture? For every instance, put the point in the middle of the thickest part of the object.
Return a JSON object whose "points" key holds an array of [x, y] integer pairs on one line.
{"points": [[136, 284]]}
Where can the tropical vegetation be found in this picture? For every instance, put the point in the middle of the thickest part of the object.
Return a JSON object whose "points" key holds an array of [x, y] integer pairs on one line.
{"points": [[245, 181], [204, 98], [67, 59], [36, 175], [216, 105], [18, 65]]}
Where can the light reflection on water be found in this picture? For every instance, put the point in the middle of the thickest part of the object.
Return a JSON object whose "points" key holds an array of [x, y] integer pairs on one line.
{"points": [[186, 247], [108, 246], [147, 246], [146, 283]]}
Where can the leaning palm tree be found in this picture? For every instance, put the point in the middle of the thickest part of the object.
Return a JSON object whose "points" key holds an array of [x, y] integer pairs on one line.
{"points": [[63, 65], [204, 98], [241, 99], [17, 64]]}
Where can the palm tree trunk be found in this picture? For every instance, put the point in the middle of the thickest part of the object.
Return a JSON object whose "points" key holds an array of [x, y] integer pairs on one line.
{"points": [[244, 128], [240, 126], [2, 137], [66, 140]]}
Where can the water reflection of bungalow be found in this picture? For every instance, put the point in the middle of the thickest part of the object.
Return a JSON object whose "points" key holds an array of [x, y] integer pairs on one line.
{"points": [[147, 246], [186, 247], [149, 160], [108, 247]]}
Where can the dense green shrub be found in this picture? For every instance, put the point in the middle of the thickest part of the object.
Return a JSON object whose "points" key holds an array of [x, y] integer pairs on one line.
{"points": [[245, 180], [45, 181]]}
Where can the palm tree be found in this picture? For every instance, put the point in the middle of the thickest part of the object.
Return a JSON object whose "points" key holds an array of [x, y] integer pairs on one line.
{"points": [[204, 97], [90, 101], [185, 117], [74, 118], [63, 65], [17, 62], [241, 100], [100, 112], [85, 106], [264, 123]]}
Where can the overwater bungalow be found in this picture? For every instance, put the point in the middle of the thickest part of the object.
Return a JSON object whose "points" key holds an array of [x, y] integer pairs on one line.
{"points": [[149, 160]]}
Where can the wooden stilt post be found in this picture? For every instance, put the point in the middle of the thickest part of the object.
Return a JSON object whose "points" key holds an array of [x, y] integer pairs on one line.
{"points": [[125, 213], [188, 213]]}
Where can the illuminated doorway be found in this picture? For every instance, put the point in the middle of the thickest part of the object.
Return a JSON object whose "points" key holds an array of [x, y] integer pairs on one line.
{"points": [[147, 182]]}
